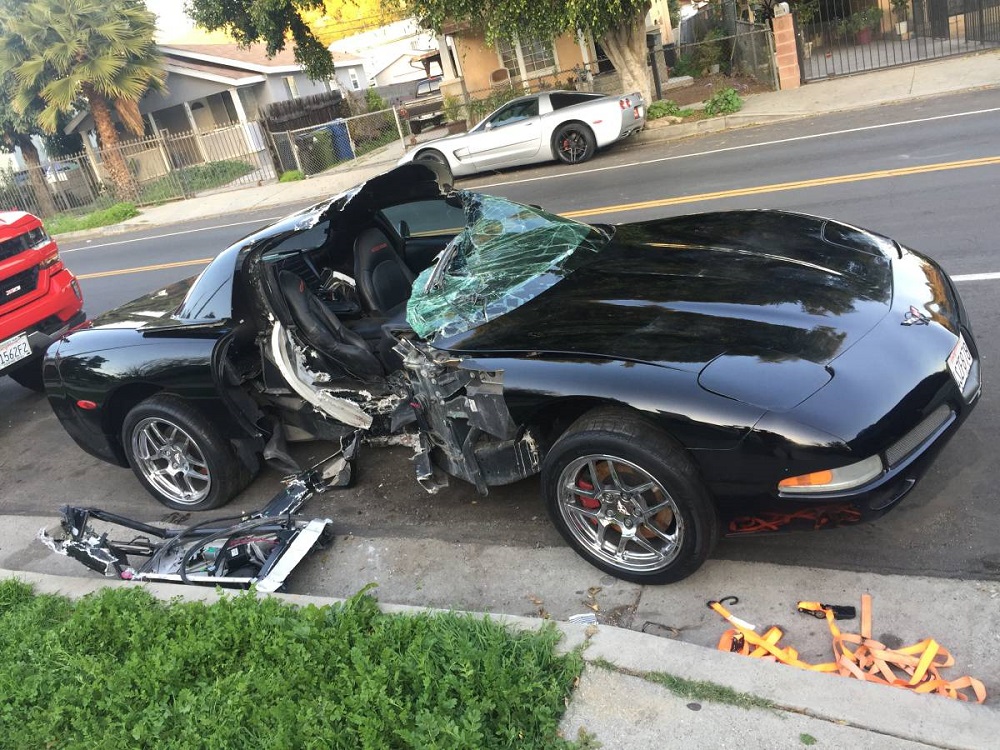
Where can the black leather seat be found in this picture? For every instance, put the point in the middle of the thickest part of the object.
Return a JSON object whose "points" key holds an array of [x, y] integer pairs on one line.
{"points": [[324, 331], [384, 280]]}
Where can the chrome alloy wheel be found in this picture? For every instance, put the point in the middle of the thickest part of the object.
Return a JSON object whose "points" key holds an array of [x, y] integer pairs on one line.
{"points": [[171, 461], [620, 513], [573, 145]]}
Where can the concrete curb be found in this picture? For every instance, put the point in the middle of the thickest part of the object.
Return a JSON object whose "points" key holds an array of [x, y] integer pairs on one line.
{"points": [[874, 708]]}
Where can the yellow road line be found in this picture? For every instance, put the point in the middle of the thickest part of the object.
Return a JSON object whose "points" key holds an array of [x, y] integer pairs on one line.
{"points": [[142, 269], [681, 199], [782, 186]]}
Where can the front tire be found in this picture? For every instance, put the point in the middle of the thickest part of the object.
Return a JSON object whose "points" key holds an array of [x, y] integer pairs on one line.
{"points": [[628, 500], [574, 143], [432, 155], [29, 375], [180, 457]]}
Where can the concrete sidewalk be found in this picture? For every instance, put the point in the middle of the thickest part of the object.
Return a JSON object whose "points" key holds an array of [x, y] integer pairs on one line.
{"points": [[927, 79], [657, 629]]}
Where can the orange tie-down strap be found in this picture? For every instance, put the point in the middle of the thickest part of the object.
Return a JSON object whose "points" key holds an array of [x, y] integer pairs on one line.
{"points": [[913, 667]]}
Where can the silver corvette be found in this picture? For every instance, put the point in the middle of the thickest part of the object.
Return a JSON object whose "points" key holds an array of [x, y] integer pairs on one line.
{"points": [[565, 125]]}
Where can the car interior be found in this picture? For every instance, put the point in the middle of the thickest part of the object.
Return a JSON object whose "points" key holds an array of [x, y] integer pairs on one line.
{"points": [[345, 288]]}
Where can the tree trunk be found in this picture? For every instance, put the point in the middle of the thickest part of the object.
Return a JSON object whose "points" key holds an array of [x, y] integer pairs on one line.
{"points": [[40, 186], [625, 46], [111, 155]]}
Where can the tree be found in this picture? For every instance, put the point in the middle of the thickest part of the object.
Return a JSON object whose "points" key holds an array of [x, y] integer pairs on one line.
{"points": [[268, 22], [619, 26], [100, 52], [15, 132]]}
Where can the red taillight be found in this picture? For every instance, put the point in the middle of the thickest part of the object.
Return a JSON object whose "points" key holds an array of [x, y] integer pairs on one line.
{"points": [[88, 405], [50, 260]]}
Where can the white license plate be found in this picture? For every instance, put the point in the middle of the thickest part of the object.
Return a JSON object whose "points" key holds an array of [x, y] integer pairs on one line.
{"points": [[960, 362], [14, 350]]}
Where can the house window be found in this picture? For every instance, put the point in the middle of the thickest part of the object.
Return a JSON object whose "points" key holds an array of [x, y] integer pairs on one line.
{"points": [[355, 82], [525, 56], [291, 88]]}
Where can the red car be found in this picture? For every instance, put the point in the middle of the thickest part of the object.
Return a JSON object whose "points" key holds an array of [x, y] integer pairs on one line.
{"points": [[40, 299]]}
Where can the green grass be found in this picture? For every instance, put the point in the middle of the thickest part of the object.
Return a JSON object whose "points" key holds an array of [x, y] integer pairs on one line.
{"points": [[189, 180], [807, 739], [292, 175], [122, 669], [113, 214], [694, 689]]}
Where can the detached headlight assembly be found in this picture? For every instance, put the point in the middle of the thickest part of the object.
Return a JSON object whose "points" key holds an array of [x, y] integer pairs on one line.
{"points": [[833, 480]]}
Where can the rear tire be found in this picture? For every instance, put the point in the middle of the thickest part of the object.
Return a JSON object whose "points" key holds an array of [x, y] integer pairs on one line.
{"points": [[415, 127], [180, 457], [29, 375], [628, 499], [574, 143]]}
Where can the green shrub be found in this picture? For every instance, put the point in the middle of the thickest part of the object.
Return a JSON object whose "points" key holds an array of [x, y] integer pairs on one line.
{"points": [[374, 101], [724, 102], [193, 179], [121, 669], [666, 108], [113, 214], [291, 175], [684, 66]]}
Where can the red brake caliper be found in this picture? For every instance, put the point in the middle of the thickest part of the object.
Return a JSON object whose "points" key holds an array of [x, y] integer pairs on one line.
{"points": [[589, 503]]}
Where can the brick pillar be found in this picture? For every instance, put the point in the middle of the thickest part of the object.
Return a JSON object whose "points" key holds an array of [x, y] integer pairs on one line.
{"points": [[786, 57]]}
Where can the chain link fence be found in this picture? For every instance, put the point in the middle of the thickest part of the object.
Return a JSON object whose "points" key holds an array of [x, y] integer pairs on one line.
{"points": [[373, 137]]}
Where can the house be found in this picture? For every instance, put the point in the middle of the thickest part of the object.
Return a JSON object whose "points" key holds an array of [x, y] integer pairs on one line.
{"points": [[473, 68], [396, 56], [215, 94]]}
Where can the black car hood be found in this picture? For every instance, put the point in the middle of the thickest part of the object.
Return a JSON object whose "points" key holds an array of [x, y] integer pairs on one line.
{"points": [[681, 292], [151, 311]]}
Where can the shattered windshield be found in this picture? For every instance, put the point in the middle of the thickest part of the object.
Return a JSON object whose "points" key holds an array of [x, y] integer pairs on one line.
{"points": [[507, 255]]}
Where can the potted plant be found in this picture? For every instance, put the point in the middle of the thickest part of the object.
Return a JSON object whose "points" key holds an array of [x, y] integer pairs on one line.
{"points": [[900, 8], [863, 22]]}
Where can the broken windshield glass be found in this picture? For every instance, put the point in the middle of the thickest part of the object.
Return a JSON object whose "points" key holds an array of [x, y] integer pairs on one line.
{"points": [[507, 255]]}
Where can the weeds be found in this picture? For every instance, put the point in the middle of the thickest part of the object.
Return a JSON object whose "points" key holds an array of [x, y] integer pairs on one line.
{"points": [[292, 175], [666, 108], [724, 102], [113, 214], [123, 669], [694, 689]]}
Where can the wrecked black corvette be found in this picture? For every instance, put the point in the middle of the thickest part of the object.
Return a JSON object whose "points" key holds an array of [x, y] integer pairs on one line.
{"points": [[670, 380]]}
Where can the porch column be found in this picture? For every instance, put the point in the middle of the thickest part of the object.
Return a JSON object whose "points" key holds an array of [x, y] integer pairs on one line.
{"points": [[159, 142], [241, 114], [195, 131], [447, 65]]}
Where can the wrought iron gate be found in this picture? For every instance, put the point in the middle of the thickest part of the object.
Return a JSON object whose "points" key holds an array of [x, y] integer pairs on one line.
{"points": [[840, 37]]}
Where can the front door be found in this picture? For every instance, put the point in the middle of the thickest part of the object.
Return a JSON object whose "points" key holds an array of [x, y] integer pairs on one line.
{"points": [[511, 135]]}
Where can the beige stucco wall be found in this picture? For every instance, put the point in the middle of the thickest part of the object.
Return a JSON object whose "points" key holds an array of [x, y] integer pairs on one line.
{"points": [[478, 61]]}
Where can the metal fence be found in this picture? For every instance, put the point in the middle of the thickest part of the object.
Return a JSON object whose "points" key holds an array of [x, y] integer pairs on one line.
{"points": [[838, 37], [65, 186], [373, 137]]}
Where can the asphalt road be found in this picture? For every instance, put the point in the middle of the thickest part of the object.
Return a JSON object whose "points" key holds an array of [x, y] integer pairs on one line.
{"points": [[927, 173]]}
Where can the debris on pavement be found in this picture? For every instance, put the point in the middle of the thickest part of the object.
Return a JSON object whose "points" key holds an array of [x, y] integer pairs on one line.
{"points": [[915, 667]]}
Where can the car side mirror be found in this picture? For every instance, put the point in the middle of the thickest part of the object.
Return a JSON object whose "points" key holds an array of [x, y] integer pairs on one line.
{"points": [[404, 229], [488, 126]]}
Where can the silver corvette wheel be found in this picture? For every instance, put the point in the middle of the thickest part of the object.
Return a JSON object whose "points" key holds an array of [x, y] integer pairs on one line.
{"points": [[171, 461], [620, 513]]}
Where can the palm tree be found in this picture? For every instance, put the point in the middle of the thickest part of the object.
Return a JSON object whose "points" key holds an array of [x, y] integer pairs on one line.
{"points": [[100, 52]]}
